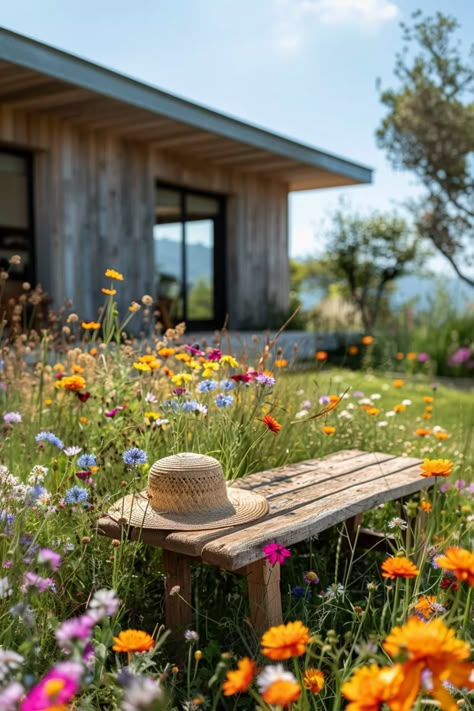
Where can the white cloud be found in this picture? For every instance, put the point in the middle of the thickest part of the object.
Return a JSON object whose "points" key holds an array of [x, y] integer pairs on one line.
{"points": [[365, 12], [296, 18]]}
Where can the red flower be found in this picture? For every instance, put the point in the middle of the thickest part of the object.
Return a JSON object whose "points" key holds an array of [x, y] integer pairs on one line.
{"points": [[242, 377], [271, 423], [83, 397], [448, 583]]}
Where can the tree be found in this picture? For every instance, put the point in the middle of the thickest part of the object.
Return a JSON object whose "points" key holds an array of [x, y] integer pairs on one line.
{"points": [[367, 255], [429, 129]]}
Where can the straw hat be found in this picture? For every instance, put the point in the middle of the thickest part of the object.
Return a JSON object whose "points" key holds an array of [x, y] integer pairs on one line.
{"points": [[188, 492]]}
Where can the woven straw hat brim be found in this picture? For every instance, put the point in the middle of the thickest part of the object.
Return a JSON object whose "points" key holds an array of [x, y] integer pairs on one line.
{"points": [[135, 510]]}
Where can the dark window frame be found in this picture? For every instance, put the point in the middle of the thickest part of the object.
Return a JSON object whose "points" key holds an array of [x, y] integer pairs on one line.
{"points": [[219, 253], [29, 273]]}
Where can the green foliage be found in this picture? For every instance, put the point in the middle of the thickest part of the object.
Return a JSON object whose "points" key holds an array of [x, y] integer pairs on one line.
{"points": [[429, 130]]}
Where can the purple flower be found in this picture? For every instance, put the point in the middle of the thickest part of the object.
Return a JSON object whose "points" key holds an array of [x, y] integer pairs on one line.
{"points": [[311, 578], [423, 357], [10, 696], [46, 555], [12, 418], [275, 553], [179, 391], [460, 484], [263, 379], [357, 393], [51, 438], [78, 628], [324, 400], [460, 356], [134, 456], [301, 593], [224, 400], [444, 487], [32, 580]]}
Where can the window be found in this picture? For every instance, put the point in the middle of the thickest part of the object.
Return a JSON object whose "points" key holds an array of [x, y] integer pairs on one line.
{"points": [[189, 237], [16, 223]]}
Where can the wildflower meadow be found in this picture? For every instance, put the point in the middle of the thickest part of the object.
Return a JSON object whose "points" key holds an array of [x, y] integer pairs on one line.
{"points": [[87, 407]]}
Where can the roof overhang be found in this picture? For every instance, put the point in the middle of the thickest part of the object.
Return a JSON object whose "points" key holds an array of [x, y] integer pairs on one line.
{"points": [[40, 78]]}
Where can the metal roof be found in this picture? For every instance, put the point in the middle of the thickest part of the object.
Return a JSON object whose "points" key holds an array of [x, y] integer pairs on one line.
{"points": [[37, 77]]}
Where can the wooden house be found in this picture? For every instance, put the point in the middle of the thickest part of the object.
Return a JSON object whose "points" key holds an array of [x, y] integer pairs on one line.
{"points": [[98, 170]]}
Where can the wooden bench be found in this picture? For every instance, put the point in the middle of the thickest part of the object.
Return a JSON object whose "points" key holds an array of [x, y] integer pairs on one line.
{"points": [[305, 499]]}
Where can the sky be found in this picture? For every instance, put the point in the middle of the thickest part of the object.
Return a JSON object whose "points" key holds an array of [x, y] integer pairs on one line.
{"points": [[307, 69]]}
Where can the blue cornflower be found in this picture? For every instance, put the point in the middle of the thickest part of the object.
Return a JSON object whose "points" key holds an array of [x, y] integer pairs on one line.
{"points": [[174, 404], [35, 492], [227, 384], [76, 495], [51, 438], [7, 519], [205, 386], [87, 460], [300, 593], [134, 456], [224, 400], [190, 406], [263, 379]]}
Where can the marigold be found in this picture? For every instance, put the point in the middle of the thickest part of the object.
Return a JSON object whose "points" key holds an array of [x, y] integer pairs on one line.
{"points": [[166, 352], [460, 562], [321, 355], [74, 383], [239, 680], [143, 367], [285, 641], [313, 679], [431, 646], [373, 411], [399, 408], [441, 435], [328, 429], [282, 693], [370, 686], [271, 423], [398, 383], [280, 363], [112, 274], [109, 292], [436, 467], [426, 606], [367, 340], [429, 399], [78, 369], [134, 306], [399, 355], [426, 506], [90, 325], [422, 432], [399, 567], [133, 641], [411, 356], [353, 350], [426, 416]]}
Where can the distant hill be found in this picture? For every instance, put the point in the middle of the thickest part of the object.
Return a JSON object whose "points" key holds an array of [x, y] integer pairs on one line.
{"points": [[198, 260]]}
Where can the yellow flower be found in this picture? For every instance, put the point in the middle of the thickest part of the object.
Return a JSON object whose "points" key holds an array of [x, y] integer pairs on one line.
{"points": [[133, 641], [151, 415], [210, 369], [280, 363], [313, 679], [134, 307], [436, 467], [77, 369], [194, 364], [73, 383], [90, 325], [112, 274], [185, 357], [58, 366], [181, 378], [166, 352], [143, 367], [48, 402], [109, 292], [229, 360], [373, 411], [399, 408]]}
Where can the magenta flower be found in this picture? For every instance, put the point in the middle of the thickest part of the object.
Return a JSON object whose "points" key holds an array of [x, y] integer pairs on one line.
{"points": [[215, 354], [46, 555], [423, 357], [113, 412], [194, 351], [58, 687], [275, 553]]}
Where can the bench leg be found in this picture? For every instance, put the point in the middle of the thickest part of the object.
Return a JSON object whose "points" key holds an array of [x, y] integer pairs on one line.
{"points": [[264, 594], [178, 610]]}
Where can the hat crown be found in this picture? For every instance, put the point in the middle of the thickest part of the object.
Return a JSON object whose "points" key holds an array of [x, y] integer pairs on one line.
{"points": [[188, 482]]}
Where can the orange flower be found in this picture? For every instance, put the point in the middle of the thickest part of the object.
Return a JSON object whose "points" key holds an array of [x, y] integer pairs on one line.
{"points": [[112, 274], [109, 292], [353, 350], [429, 408], [282, 693], [328, 429], [425, 606], [411, 356], [285, 641], [399, 408], [367, 340], [426, 506], [313, 679], [321, 355], [426, 416], [239, 680], [429, 399], [73, 383], [334, 400], [441, 435], [84, 420], [399, 356], [280, 363], [134, 307], [167, 371], [166, 352], [399, 567], [433, 647], [436, 467], [93, 351], [398, 383], [133, 641], [373, 411], [370, 686], [77, 368], [460, 561], [422, 432], [90, 325], [271, 423]]}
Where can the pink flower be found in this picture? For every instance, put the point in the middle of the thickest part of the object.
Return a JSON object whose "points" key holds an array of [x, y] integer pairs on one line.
{"points": [[58, 687], [215, 354], [113, 412], [46, 555], [275, 553]]}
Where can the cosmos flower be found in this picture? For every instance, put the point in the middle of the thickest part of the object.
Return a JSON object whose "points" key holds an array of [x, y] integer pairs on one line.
{"points": [[275, 553]]}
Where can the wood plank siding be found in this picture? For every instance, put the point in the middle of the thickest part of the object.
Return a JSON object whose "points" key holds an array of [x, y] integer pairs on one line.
{"points": [[94, 206]]}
